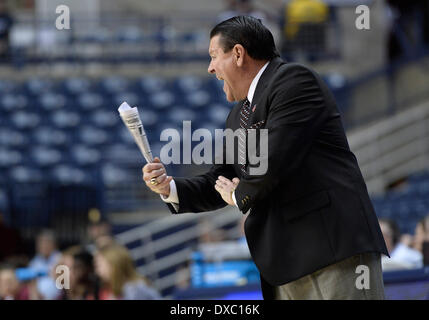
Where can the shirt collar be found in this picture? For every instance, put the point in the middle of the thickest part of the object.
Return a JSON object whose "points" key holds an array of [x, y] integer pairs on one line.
{"points": [[254, 83]]}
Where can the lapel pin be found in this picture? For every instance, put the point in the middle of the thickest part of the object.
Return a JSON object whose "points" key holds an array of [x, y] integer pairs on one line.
{"points": [[254, 107]]}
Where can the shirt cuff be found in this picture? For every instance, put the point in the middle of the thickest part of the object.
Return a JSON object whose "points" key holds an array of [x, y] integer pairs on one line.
{"points": [[173, 197], [233, 198]]}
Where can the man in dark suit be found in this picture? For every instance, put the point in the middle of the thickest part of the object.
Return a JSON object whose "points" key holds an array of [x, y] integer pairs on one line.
{"points": [[311, 222]]}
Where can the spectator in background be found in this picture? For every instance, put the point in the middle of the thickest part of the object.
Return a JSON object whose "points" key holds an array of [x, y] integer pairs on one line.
{"points": [[115, 267], [9, 285], [421, 239], [98, 235], [46, 259], [304, 29], [401, 255], [47, 255], [83, 282]]}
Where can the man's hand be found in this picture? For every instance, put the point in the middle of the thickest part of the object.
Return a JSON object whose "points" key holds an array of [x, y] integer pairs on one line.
{"points": [[162, 182], [226, 187]]}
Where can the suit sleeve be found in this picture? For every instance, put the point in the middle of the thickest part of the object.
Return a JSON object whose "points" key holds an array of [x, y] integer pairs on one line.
{"points": [[197, 194], [296, 113]]}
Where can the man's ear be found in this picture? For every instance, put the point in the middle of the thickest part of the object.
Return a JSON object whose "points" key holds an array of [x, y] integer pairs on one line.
{"points": [[238, 52]]}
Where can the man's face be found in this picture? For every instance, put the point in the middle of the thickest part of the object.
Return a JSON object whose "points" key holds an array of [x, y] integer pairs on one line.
{"points": [[224, 67]]}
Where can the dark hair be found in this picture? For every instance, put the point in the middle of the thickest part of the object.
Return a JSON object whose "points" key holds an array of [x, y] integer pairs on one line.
{"points": [[250, 33], [394, 229]]}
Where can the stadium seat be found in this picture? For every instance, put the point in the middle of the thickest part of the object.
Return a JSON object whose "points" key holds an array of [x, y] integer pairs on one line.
{"points": [[113, 175], [13, 138], [84, 155], [105, 118], [37, 86], [63, 119], [50, 136], [89, 101], [51, 101], [92, 136], [162, 100], [75, 86], [25, 120], [13, 102], [217, 113], [10, 158], [45, 157], [113, 85], [198, 99], [68, 175], [25, 174], [151, 84]]}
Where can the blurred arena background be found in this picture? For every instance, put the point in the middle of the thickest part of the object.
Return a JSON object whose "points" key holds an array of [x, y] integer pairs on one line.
{"points": [[70, 171]]}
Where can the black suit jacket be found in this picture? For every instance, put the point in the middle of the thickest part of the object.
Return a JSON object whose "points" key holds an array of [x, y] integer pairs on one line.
{"points": [[311, 208]]}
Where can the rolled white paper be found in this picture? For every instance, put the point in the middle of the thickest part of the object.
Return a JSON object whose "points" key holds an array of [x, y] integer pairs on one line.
{"points": [[131, 118]]}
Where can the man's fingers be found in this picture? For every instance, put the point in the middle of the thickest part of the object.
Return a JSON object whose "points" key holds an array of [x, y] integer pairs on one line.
{"points": [[220, 183], [153, 174], [165, 182], [223, 179], [161, 178], [152, 166], [235, 181]]}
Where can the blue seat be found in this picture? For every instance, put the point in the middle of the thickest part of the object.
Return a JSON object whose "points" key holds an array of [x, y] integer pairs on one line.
{"points": [[45, 157], [10, 158], [25, 120], [217, 114], [50, 136], [89, 101], [113, 85], [113, 175], [26, 174], [151, 84], [161, 100], [187, 84], [69, 175], [13, 102], [92, 136], [50, 101], [122, 154], [13, 138], [36, 86], [148, 118], [198, 99], [63, 119], [76, 86], [105, 118], [84, 155]]}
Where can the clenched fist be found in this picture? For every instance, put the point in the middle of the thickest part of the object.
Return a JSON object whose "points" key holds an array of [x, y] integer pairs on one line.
{"points": [[155, 177]]}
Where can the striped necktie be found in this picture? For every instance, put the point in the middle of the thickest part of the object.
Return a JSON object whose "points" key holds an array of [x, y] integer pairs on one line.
{"points": [[244, 119]]}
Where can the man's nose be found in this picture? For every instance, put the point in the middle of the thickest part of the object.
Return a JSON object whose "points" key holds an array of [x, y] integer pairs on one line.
{"points": [[210, 69]]}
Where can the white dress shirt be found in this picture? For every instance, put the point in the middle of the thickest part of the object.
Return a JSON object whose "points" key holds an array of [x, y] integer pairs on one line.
{"points": [[173, 198]]}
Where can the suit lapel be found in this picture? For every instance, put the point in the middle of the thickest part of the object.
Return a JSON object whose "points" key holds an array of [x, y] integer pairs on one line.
{"points": [[257, 113]]}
